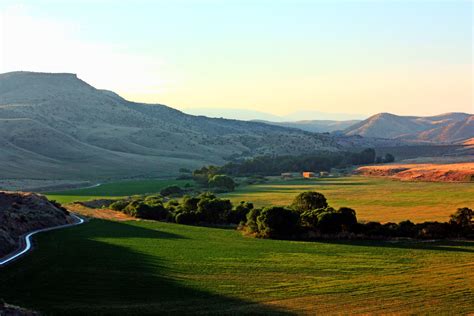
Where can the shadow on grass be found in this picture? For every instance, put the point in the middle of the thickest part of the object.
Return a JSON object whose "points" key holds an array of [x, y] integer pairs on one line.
{"points": [[439, 245], [74, 273]]}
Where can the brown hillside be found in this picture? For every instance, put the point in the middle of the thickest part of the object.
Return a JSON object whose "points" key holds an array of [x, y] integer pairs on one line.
{"points": [[457, 172]]}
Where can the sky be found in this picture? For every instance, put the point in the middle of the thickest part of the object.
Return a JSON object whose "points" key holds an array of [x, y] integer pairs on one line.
{"points": [[277, 57]]}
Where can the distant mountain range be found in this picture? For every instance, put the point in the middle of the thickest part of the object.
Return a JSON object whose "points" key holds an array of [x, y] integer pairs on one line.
{"points": [[444, 128], [252, 115], [315, 126]]}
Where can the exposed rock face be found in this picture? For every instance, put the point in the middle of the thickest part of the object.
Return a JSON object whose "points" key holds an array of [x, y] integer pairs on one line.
{"points": [[21, 213]]}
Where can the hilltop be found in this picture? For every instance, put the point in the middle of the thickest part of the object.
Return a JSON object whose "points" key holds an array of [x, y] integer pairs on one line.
{"points": [[444, 128], [56, 126]]}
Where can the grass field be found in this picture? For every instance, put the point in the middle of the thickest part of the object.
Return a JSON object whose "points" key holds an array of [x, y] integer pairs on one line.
{"points": [[374, 199], [105, 267], [115, 190]]}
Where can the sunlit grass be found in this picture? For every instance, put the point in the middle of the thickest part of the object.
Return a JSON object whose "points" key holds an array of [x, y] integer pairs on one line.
{"points": [[153, 267], [373, 198]]}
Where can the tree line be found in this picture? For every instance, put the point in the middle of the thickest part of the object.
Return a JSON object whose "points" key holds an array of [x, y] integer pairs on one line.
{"points": [[308, 217], [320, 161]]}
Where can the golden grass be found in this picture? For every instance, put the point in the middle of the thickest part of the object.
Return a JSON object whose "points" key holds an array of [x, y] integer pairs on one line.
{"points": [[453, 172], [374, 199]]}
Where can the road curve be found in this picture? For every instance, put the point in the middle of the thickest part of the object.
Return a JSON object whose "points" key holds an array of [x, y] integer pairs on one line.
{"points": [[27, 240]]}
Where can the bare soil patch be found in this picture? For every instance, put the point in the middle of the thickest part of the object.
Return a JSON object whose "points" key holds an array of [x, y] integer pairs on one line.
{"points": [[101, 213]]}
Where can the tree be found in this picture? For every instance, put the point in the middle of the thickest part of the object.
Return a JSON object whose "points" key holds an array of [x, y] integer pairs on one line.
{"points": [[329, 221], [213, 210], [310, 218], [222, 182], [173, 190], [463, 217], [309, 200], [366, 156], [202, 176], [347, 218], [388, 158], [239, 213], [277, 221], [189, 204], [252, 216], [119, 205]]}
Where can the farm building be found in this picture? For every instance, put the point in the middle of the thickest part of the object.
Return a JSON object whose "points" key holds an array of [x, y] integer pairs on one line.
{"points": [[309, 174], [324, 174]]}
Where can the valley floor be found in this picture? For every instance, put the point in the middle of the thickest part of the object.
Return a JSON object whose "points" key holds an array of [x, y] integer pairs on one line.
{"points": [[374, 199], [140, 267]]}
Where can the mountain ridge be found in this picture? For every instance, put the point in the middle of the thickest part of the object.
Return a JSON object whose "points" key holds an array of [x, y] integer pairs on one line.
{"points": [[58, 126], [443, 128]]}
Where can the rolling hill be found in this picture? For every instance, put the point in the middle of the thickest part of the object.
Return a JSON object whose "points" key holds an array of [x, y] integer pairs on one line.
{"points": [[56, 126], [445, 128]]}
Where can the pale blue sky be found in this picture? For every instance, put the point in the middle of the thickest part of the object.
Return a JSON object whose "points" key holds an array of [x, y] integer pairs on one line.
{"points": [[272, 56]]}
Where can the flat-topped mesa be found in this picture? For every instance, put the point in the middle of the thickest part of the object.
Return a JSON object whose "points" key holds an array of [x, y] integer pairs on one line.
{"points": [[44, 74]]}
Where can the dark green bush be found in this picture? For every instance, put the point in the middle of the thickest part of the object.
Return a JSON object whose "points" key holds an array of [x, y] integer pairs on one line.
{"points": [[308, 201], [277, 221]]}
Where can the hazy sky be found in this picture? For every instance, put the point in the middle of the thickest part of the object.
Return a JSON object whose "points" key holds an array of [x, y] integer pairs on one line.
{"points": [[406, 57]]}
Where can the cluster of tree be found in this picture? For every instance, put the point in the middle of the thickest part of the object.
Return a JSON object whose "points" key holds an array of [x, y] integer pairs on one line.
{"points": [[205, 209], [213, 178], [385, 159], [310, 216], [320, 161]]}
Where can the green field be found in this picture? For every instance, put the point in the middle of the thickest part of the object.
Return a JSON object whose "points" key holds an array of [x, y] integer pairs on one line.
{"points": [[115, 190], [374, 199], [105, 267]]}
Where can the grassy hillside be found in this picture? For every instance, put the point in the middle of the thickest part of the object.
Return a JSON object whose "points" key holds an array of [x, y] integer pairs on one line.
{"points": [[374, 199], [56, 126], [131, 268]]}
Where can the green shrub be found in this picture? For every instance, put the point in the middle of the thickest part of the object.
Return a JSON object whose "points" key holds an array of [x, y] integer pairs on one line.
{"points": [[213, 210], [239, 213], [277, 221], [119, 205], [251, 216], [310, 200], [172, 190], [222, 182]]}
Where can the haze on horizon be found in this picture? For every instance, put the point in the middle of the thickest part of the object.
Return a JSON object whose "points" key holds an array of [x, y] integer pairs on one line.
{"points": [[277, 57]]}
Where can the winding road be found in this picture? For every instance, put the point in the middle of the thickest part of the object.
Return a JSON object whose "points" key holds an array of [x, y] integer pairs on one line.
{"points": [[27, 240]]}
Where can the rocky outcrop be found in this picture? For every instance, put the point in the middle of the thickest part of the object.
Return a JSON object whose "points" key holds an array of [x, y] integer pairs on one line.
{"points": [[21, 213]]}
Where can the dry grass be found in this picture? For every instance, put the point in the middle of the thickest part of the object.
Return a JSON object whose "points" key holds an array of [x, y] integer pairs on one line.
{"points": [[98, 213], [455, 172], [374, 199]]}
